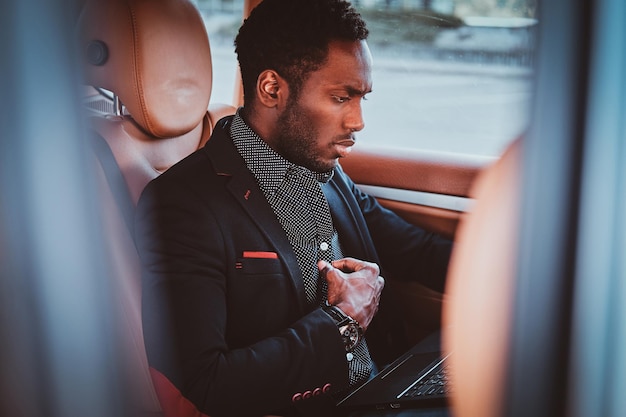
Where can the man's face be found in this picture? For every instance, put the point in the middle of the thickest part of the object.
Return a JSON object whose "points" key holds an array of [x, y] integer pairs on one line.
{"points": [[318, 128]]}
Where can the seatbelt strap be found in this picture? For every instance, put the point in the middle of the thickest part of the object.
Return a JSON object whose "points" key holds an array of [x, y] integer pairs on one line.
{"points": [[115, 179]]}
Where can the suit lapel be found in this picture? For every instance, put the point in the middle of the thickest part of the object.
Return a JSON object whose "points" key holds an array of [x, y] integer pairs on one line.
{"points": [[348, 220], [245, 190]]}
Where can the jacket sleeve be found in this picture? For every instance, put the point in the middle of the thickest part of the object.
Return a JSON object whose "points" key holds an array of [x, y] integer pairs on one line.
{"points": [[186, 306]]}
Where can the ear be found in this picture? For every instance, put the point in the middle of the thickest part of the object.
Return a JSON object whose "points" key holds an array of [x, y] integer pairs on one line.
{"points": [[272, 89]]}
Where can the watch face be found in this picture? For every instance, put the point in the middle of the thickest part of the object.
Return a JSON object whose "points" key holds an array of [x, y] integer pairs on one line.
{"points": [[350, 333]]}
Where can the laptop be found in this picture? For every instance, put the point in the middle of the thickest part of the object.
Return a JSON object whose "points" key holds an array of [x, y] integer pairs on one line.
{"points": [[417, 379]]}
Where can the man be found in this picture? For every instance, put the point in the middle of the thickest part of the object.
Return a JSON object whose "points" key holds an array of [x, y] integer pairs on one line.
{"points": [[262, 289]]}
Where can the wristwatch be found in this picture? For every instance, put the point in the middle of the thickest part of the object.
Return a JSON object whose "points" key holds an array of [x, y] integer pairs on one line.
{"points": [[348, 327]]}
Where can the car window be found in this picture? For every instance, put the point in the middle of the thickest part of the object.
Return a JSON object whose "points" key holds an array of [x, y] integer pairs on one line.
{"points": [[449, 75], [222, 19]]}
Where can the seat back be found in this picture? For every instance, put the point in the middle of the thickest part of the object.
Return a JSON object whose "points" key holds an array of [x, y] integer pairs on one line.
{"points": [[478, 303], [154, 55]]}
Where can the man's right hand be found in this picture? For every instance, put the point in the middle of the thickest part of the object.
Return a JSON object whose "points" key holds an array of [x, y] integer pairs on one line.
{"points": [[354, 286]]}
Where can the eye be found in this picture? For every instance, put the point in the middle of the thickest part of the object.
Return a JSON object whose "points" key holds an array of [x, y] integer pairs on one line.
{"points": [[341, 99]]}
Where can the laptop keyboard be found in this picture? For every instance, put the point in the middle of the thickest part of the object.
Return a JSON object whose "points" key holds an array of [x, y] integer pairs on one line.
{"points": [[435, 383]]}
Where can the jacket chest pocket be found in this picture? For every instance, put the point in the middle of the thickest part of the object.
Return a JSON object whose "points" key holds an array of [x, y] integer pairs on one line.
{"points": [[259, 265], [261, 299]]}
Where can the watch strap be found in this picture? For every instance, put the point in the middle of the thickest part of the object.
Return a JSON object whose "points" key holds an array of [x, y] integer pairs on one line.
{"points": [[338, 315]]}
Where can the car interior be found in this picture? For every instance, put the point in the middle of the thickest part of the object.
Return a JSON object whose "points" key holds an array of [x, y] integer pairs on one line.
{"points": [[156, 114], [533, 309]]}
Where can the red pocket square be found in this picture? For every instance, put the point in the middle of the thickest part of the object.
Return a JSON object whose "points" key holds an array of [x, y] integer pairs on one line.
{"points": [[263, 255]]}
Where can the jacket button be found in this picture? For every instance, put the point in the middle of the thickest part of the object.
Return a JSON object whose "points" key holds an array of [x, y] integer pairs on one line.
{"points": [[317, 391], [307, 395], [296, 397], [326, 388]]}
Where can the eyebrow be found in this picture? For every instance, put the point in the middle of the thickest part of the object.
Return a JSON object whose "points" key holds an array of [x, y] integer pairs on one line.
{"points": [[355, 91]]}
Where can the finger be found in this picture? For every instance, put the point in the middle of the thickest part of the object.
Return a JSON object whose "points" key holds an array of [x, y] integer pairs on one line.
{"points": [[324, 267], [345, 264], [328, 271], [332, 275], [352, 265], [335, 280]]}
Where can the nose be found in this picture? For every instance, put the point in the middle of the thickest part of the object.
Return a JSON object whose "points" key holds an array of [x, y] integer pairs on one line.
{"points": [[354, 119]]}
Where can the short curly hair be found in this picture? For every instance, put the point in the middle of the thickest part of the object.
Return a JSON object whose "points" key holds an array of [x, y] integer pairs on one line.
{"points": [[292, 37]]}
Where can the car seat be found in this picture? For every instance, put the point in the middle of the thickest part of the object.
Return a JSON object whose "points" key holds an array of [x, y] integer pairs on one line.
{"points": [[155, 57], [478, 303]]}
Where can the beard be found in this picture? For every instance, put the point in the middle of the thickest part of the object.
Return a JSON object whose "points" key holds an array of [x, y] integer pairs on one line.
{"points": [[296, 139]]}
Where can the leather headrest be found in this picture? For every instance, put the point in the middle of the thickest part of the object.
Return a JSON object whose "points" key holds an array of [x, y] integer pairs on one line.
{"points": [[154, 55]]}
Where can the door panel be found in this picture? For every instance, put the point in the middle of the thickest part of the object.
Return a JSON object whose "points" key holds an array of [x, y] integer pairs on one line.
{"points": [[429, 189]]}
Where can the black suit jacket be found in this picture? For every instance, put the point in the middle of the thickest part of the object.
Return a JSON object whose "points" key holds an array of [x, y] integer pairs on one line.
{"points": [[224, 311]]}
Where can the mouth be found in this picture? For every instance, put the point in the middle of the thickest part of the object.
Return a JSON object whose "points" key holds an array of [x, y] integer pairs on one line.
{"points": [[344, 146]]}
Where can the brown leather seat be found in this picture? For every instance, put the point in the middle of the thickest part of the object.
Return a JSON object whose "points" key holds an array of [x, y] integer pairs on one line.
{"points": [[159, 64], [479, 292], [155, 56]]}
